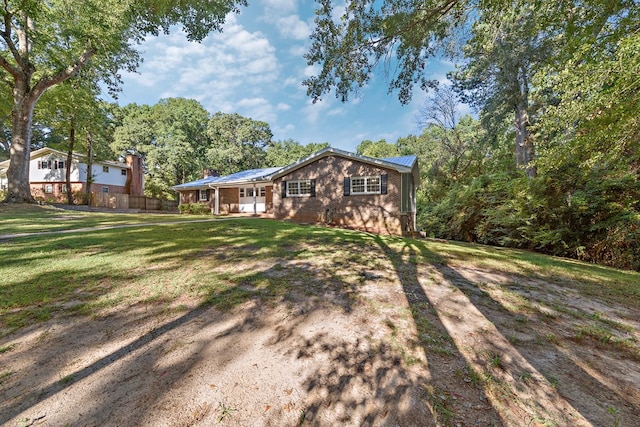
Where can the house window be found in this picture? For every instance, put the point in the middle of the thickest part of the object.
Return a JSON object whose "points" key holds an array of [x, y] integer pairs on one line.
{"points": [[203, 196], [365, 185], [62, 188], [60, 164], [45, 164], [48, 188], [105, 169], [242, 192], [105, 189], [299, 188], [263, 192], [123, 172]]}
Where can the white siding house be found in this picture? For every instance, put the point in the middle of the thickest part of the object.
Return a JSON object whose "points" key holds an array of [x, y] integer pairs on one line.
{"points": [[47, 169]]}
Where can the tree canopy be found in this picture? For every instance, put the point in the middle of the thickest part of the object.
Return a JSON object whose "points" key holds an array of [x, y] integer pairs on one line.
{"points": [[283, 153], [237, 142], [46, 43], [553, 162]]}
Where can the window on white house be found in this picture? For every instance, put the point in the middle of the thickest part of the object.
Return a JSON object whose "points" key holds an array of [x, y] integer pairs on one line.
{"points": [[123, 172], [60, 164], [365, 185], [45, 164], [299, 188], [48, 188], [105, 189], [105, 169]]}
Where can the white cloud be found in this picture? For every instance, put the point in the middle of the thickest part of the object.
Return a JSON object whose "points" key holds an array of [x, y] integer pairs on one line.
{"points": [[280, 6], [312, 112], [283, 107], [257, 109], [293, 27], [214, 72]]}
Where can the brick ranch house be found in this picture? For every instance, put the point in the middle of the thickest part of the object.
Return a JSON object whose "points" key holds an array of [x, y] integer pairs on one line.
{"points": [[47, 169], [331, 186]]}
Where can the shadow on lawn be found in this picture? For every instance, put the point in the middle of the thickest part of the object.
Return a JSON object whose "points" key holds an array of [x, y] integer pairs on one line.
{"points": [[374, 379], [593, 400]]}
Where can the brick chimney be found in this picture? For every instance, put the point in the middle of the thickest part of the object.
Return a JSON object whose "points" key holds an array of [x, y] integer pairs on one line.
{"points": [[211, 172], [135, 176]]}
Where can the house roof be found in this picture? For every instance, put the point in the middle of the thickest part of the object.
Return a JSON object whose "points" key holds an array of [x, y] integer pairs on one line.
{"points": [[403, 164], [243, 177], [47, 150]]}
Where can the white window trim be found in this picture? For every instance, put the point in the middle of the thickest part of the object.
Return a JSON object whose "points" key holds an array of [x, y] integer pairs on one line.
{"points": [[297, 184], [105, 189], [366, 182], [105, 169], [202, 196]]}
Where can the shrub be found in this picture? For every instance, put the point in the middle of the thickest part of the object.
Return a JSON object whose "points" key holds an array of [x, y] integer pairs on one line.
{"points": [[193, 209]]}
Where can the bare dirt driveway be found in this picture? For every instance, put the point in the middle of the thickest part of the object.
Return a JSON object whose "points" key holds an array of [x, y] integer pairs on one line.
{"points": [[330, 339]]}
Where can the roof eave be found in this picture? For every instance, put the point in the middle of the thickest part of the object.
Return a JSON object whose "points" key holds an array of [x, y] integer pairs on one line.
{"points": [[335, 151]]}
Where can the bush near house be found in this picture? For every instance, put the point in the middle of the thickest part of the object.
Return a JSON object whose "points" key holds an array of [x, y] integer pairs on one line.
{"points": [[194, 209]]}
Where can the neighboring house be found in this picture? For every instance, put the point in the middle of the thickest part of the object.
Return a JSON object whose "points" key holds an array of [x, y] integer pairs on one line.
{"points": [[330, 186], [47, 169]]}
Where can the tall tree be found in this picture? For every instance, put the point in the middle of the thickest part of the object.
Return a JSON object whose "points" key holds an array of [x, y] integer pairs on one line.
{"points": [[170, 136], [237, 142], [283, 153], [508, 45], [377, 149], [403, 35], [73, 113], [46, 43]]}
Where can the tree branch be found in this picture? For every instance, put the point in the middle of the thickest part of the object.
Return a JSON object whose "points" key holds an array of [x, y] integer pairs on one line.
{"points": [[48, 81]]}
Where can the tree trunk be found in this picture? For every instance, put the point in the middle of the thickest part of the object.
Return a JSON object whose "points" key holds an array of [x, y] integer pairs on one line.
{"points": [[525, 152], [67, 177], [18, 188], [89, 165]]}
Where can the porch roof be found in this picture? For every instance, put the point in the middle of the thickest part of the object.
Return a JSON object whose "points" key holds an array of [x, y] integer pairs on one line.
{"points": [[238, 178]]}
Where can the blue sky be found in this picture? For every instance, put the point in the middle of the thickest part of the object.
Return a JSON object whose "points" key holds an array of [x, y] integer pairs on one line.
{"points": [[255, 68]]}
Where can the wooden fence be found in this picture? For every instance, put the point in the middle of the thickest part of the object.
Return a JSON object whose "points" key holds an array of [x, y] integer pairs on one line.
{"points": [[125, 201]]}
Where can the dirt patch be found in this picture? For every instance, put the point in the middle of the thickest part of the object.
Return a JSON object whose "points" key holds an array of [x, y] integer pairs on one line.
{"points": [[403, 344]]}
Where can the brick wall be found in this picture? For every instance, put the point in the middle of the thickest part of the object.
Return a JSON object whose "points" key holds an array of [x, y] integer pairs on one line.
{"points": [[38, 191], [378, 213], [229, 200]]}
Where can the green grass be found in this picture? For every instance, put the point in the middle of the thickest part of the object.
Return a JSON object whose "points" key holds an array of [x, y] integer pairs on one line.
{"points": [[227, 263], [35, 218]]}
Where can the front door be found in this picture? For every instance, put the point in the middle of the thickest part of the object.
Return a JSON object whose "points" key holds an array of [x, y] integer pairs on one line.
{"points": [[252, 199]]}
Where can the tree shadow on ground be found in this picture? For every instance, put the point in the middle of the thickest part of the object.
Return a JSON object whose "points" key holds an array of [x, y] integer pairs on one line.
{"points": [[541, 372], [390, 362]]}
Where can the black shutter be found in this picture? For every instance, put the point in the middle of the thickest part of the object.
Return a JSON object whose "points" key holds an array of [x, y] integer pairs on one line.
{"points": [[197, 196], [208, 194], [49, 164], [313, 188], [347, 186], [383, 184], [39, 164], [284, 189]]}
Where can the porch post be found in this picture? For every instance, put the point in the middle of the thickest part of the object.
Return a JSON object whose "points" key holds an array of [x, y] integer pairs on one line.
{"points": [[255, 201], [216, 201]]}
